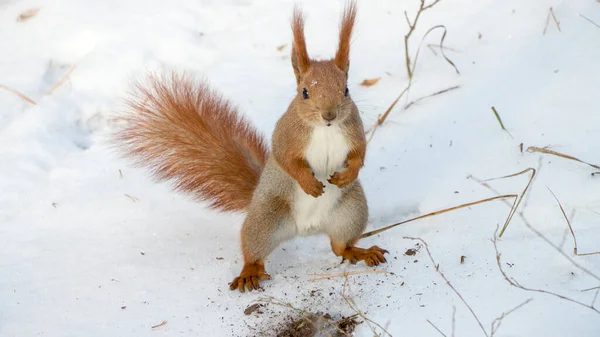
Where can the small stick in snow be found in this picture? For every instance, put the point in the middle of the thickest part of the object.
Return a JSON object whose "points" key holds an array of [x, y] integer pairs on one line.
{"points": [[498, 321], [516, 284], [61, 81], [435, 327], [377, 231], [23, 97], [558, 154], [551, 14], [539, 234], [595, 174], [163, 323], [134, 199], [570, 227], [345, 274], [437, 269], [589, 20], [432, 95]]}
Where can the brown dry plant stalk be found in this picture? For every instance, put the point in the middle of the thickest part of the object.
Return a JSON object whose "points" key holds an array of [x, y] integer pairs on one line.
{"points": [[575, 251], [21, 96], [61, 81], [446, 210], [437, 269], [498, 321], [551, 14], [515, 206], [539, 234], [589, 20], [318, 277], [516, 284], [411, 65], [558, 154], [431, 95], [436, 328]]}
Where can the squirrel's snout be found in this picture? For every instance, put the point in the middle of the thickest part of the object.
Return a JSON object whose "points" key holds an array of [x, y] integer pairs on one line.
{"points": [[329, 116]]}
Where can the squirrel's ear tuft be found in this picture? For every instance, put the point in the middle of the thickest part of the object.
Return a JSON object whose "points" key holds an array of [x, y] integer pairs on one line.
{"points": [[300, 60], [342, 57]]}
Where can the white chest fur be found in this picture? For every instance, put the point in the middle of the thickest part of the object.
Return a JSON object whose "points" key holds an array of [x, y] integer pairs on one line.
{"points": [[326, 154]]}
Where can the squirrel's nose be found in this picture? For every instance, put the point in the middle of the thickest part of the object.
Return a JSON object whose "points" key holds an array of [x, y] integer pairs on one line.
{"points": [[329, 116]]}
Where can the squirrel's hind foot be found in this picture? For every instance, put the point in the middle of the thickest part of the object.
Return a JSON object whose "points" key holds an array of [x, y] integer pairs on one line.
{"points": [[250, 277], [372, 256]]}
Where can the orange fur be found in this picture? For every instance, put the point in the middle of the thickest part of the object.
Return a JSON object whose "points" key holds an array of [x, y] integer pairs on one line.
{"points": [[342, 57], [187, 133]]}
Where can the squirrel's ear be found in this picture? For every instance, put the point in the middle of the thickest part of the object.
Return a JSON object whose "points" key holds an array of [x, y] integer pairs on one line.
{"points": [[300, 60], [342, 57]]}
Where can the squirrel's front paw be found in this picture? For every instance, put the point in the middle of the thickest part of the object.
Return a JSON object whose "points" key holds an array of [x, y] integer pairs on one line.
{"points": [[343, 179], [249, 278], [312, 186]]}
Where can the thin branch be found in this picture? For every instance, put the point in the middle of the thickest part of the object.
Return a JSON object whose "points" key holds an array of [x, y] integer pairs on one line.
{"points": [[345, 274], [516, 284], [377, 231], [435, 327], [21, 96], [558, 154], [515, 206], [589, 20], [570, 227], [551, 14], [437, 269], [382, 119], [432, 95], [498, 321], [61, 81], [539, 234]]}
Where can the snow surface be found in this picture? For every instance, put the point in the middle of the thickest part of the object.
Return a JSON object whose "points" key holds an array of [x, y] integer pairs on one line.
{"points": [[87, 251]]}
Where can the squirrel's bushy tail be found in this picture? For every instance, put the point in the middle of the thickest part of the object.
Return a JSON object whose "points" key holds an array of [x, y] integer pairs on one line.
{"points": [[187, 133]]}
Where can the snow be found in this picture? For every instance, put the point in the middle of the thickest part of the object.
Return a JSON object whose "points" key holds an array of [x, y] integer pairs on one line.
{"points": [[91, 246]]}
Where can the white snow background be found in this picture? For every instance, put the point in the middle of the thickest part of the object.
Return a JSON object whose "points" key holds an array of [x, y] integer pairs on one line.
{"points": [[88, 251]]}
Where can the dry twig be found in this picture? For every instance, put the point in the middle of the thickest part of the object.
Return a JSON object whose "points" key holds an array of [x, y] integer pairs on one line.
{"points": [[437, 269], [431, 95], [551, 14], [516, 284], [570, 227], [61, 81], [589, 20], [377, 231], [558, 154], [435, 327], [345, 274], [539, 234], [22, 96], [498, 321]]}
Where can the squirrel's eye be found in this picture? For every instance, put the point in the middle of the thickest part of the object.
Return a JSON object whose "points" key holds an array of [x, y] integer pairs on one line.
{"points": [[305, 93], [346, 92]]}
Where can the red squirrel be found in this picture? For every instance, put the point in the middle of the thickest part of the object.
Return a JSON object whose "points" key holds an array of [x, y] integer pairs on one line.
{"points": [[185, 132]]}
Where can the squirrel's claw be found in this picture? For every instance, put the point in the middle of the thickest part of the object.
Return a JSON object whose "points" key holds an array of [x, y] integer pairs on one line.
{"points": [[249, 278]]}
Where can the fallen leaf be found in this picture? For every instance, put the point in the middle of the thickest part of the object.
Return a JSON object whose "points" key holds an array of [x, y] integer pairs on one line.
{"points": [[163, 323], [28, 14], [370, 82]]}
